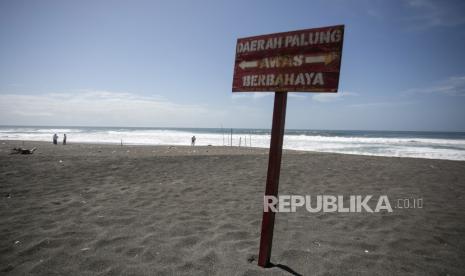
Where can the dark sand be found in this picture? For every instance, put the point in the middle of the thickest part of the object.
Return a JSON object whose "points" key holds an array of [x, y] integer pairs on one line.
{"points": [[133, 210]]}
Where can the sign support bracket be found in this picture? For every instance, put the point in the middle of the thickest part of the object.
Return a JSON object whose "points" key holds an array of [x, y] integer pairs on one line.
{"points": [[272, 179]]}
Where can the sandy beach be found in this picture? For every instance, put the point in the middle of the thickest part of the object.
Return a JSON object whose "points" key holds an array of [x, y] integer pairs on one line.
{"points": [[86, 209]]}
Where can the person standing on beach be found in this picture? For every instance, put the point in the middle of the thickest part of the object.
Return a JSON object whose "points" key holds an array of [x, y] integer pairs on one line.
{"points": [[64, 139], [55, 139], [193, 141]]}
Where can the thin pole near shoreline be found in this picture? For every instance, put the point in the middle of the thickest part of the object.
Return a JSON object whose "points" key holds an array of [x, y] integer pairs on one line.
{"points": [[222, 132]]}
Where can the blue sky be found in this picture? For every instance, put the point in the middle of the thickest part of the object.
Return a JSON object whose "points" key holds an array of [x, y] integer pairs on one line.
{"points": [[170, 63]]}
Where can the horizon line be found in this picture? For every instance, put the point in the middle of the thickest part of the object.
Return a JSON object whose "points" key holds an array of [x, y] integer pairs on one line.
{"points": [[171, 127]]}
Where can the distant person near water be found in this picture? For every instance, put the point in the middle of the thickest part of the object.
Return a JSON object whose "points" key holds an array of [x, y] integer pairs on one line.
{"points": [[64, 139], [193, 141], [55, 139]]}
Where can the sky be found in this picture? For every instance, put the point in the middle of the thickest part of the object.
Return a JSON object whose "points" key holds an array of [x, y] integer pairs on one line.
{"points": [[170, 64]]}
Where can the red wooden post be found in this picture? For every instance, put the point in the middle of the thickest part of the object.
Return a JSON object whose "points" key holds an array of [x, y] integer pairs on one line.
{"points": [[272, 180]]}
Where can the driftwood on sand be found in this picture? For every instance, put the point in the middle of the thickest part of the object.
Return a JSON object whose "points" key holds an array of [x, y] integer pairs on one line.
{"points": [[23, 151]]}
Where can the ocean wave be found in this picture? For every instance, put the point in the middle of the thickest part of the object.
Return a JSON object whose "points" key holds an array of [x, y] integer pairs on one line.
{"points": [[419, 147]]}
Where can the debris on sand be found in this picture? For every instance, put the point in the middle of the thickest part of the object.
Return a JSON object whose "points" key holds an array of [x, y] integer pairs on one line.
{"points": [[251, 258], [22, 151]]}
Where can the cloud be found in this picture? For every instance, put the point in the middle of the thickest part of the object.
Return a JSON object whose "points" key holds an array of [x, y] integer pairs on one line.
{"points": [[261, 95], [375, 14], [251, 95], [453, 86], [380, 104], [297, 95], [431, 13], [88, 107], [108, 108], [331, 97]]}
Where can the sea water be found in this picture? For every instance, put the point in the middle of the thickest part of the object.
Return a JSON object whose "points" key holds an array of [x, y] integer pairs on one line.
{"points": [[433, 145]]}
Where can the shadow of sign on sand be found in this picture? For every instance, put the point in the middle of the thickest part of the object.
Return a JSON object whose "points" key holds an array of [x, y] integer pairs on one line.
{"points": [[285, 268]]}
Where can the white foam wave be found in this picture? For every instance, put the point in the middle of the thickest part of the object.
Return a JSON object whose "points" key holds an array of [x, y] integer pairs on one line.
{"points": [[452, 149]]}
